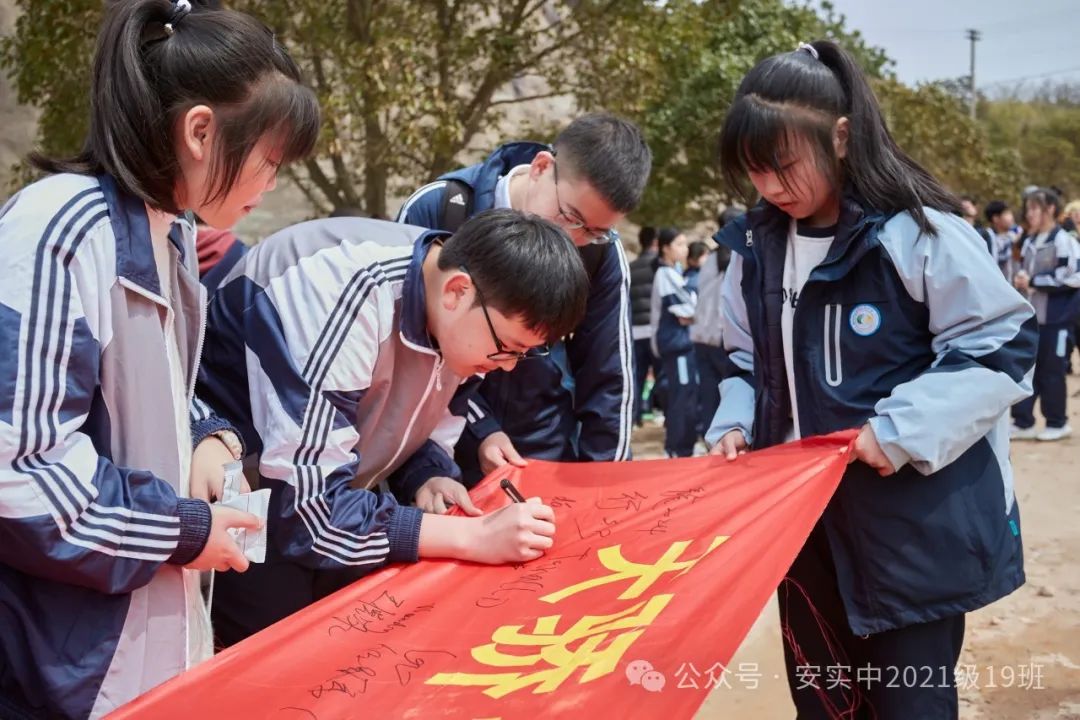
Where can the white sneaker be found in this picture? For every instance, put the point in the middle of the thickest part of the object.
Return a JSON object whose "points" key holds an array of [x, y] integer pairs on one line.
{"points": [[1019, 433], [1052, 434]]}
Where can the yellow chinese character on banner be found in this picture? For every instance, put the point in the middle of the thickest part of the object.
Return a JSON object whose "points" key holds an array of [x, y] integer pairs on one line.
{"points": [[642, 574], [554, 650]]}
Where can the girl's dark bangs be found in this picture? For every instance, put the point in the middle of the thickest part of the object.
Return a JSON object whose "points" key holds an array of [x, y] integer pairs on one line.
{"points": [[755, 137], [758, 135], [764, 136], [279, 106], [286, 110], [299, 121]]}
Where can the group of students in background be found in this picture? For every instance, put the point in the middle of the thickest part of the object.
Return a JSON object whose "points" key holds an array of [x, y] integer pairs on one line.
{"points": [[1040, 256], [678, 335], [369, 372]]}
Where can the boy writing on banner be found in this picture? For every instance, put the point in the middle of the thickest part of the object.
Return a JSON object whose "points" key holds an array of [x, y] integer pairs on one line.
{"points": [[337, 347]]}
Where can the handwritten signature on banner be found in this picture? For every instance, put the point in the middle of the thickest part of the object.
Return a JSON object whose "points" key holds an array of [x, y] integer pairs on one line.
{"points": [[379, 616], [557, 655], [530, 582], [352, 680], [553, 660]]}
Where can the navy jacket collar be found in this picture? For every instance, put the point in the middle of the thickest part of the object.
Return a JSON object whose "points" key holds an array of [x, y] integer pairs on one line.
{"points": [[414, 296], [855, 233], [484, 177], [131, 228]]}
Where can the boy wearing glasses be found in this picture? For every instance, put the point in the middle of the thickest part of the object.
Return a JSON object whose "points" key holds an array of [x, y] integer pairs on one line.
{"points": [[576, 402], [337, 347]]}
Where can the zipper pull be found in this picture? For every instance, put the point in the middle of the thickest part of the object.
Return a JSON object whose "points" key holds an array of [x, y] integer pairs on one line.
{"points": [[438, 373], [749, 238]]}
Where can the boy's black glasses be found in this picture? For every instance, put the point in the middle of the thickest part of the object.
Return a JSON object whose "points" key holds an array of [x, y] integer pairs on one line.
{"points": [[572, 223], [503, 354]]}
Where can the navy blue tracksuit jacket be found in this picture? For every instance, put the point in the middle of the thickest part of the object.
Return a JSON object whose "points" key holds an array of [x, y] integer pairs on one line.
{"points": [[576, 403]]}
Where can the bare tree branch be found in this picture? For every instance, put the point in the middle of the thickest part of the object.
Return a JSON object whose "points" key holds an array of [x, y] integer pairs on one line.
{"points": [[305, 189], [324, 183], [527, 98]]}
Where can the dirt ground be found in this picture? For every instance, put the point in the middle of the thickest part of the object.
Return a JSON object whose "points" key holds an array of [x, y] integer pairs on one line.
{"points": [[1021, 658]]}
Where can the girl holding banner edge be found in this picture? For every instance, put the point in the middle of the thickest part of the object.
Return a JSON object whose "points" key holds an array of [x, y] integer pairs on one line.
{"points": [[107, 458], [857, 297]]}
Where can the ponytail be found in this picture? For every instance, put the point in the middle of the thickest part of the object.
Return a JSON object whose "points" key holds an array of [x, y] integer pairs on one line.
{"points": [[881, 172]]}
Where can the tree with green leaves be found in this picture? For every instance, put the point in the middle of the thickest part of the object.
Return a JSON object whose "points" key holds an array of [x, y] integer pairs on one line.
{"points": [[1042, 133], [405, 86], [408, 87], [48, 58], [682, 76], [934, 126]]}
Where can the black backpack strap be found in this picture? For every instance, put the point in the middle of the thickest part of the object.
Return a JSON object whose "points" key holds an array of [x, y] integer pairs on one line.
{"points": [[457, 205]]}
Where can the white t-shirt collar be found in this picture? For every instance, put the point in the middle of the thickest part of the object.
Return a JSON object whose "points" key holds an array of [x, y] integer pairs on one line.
{"points": [[502, 188]]}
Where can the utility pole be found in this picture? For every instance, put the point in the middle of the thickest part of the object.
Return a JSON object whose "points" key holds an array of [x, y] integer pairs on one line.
{"points": [[974, 36]]}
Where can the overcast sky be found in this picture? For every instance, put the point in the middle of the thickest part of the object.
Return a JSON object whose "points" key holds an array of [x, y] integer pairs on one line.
{"points": [[1030, 39]]}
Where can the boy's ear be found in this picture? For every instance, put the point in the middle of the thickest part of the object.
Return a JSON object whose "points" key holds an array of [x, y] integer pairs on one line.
{"points": [[540, 164], [456, 286]]}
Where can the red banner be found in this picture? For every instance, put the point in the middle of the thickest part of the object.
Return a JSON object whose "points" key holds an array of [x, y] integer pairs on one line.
{"points": [[658, 566]]}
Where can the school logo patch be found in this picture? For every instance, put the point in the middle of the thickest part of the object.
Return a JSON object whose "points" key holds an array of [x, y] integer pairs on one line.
{"points": [[865, 319]]}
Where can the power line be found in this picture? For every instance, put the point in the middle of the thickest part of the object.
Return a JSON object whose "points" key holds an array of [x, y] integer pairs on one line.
{"points": [[1025, 20], [1018, 24], [1062, 71]]}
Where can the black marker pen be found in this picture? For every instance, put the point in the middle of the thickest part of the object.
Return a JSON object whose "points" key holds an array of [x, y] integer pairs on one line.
{"points": [[509, 489]]}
